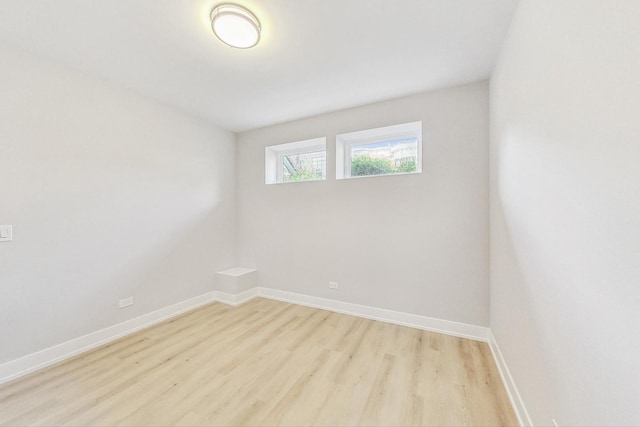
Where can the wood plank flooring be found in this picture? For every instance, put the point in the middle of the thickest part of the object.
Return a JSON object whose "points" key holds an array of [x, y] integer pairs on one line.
{"points": [[267, 363]]}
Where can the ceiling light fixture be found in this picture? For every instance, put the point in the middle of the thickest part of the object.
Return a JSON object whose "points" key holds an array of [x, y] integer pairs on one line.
{"points": [[236, 26]]}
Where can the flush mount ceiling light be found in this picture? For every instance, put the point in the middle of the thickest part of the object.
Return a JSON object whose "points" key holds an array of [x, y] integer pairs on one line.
{"points": [[236, 26]]}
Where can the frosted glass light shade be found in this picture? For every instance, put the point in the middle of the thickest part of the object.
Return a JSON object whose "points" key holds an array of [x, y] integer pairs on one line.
{"points": [[235, 26]]}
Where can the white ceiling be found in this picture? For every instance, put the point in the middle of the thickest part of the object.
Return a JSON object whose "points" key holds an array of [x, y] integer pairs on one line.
{"points": [[315, 56]]}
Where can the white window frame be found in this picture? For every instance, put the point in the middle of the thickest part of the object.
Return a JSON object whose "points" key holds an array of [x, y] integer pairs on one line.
{"points": [[274, 156], [346, 141]]}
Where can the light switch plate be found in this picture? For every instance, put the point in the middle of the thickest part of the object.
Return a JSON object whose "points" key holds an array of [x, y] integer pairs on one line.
{"points": [[6, 233]]}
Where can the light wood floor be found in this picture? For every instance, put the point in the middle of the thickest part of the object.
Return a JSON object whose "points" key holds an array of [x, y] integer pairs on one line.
{"points": [[267, 363]]}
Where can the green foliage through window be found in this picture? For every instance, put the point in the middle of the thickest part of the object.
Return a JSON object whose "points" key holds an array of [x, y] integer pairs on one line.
{"points": [[365, 166], [304, 166], [303, 174]]}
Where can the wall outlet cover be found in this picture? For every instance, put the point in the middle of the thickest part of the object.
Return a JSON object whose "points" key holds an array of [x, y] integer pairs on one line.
{"points": [[125, 302], [6, 233]]}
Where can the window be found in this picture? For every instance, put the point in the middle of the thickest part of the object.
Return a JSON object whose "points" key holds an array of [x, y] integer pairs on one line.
{"points": [[389, 150], [296, 161]]}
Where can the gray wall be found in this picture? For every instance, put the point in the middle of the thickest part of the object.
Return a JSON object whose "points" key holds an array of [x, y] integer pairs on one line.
{"points": [[413, 243], [111, 195], [565, 209]]}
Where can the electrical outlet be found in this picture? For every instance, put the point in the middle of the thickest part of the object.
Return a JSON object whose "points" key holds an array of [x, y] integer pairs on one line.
{"points": [[125, 302], [6, 233], [333, 285]]}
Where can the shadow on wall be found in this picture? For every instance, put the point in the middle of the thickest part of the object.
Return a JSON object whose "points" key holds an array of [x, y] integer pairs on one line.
{"points": [[169, 254], [558, 280]]}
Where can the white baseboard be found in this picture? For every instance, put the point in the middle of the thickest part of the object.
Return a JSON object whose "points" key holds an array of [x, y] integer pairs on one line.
{"points": [[41, 359], [237, 299], [516, 400], [448, 327]]}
